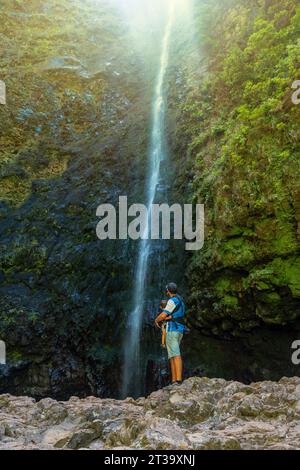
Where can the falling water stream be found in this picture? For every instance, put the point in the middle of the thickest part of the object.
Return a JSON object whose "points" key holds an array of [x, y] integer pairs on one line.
{"points": [[132, 376]]}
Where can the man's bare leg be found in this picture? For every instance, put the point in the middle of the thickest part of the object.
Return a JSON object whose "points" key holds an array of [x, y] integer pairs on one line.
{"points": [[173, 371], [178, 368]]}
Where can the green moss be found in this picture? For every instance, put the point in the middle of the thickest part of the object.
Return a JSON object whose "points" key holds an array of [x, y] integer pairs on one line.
{"points": [[223, 285], [278, 273], [284, 240], [230, 302], [237, 252], [288, 271], [14, 356], [271, 298]]}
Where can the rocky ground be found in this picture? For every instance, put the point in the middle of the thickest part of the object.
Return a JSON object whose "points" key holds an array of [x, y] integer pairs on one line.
{"points": [[75, 134], [200, 414]]}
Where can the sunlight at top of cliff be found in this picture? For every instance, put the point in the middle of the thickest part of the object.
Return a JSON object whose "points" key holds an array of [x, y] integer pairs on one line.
{"points": [[149, 16], [146, 20], [151, 11], [152, 4]]}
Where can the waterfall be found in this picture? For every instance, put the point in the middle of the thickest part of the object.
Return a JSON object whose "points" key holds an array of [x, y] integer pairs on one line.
{"points": [[132, 368]]}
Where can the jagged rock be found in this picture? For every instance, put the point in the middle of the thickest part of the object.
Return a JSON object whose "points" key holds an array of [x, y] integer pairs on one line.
{"points": [[228, 416]]}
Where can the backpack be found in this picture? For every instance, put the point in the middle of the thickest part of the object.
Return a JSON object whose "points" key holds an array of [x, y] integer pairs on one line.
{"points": [[180, 320]]}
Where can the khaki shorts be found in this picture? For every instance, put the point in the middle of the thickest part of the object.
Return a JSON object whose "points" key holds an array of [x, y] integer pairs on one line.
{"points": [[173, 343]]}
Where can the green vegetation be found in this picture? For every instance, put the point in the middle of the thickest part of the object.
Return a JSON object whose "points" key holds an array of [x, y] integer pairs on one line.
{"points": [[244, 147]]}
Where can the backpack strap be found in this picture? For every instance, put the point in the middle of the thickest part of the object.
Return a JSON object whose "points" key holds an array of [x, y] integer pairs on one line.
{"points": [[177, 306]]}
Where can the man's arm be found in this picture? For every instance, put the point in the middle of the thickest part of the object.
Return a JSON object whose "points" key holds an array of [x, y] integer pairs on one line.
{"points": [[161, 317], [165, 315]]}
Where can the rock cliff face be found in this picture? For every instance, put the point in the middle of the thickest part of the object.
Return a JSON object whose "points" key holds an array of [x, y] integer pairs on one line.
{"points": [[200, 414], [74, 135]]}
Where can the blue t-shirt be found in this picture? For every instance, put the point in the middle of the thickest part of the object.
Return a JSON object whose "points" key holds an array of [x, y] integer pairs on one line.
{"points": [[175, 304]]}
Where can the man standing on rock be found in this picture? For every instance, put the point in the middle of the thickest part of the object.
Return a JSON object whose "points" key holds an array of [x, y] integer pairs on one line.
{"points": [[173, 313]]}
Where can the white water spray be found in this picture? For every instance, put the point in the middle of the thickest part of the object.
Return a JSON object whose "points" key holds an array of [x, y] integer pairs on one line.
{"points": [[132, 371]]}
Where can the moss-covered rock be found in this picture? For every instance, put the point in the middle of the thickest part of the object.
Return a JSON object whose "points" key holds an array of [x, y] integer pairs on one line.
{"points": [[242, 133]]}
